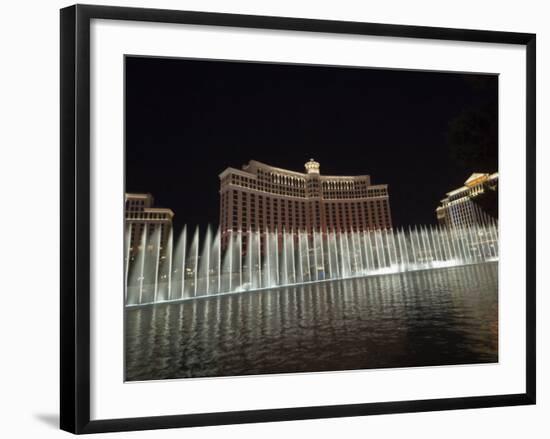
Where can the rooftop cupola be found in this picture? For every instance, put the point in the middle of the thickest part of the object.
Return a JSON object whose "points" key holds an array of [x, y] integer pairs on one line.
{"points": [[312, 167]]}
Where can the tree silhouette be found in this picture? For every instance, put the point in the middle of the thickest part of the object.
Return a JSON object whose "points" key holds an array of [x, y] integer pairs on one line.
{"points": [[473, 139]]}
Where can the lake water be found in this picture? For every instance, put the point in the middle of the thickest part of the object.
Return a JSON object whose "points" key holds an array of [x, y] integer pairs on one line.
{"points": [[433, 317]]}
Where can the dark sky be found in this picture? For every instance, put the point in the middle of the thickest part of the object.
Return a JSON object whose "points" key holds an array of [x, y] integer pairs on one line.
{"points": [[419, 132]]}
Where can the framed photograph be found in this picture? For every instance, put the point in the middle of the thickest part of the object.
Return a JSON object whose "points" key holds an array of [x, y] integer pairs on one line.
{"points": [[268, 218]]}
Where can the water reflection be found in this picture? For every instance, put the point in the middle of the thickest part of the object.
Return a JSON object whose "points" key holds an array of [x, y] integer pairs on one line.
{"points": [[432, 317]]}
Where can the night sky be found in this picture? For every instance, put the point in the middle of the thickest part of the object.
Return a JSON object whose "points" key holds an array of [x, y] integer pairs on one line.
{"points": [[422, 133]]}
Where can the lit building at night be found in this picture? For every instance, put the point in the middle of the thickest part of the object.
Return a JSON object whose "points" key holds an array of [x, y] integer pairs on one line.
{"points": [[145, 223], [474, 203], [260, 197]]}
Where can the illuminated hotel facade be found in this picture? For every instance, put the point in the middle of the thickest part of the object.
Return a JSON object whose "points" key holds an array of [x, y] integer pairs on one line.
{"points": [[265, 198], [474, 203], [144, 222]]}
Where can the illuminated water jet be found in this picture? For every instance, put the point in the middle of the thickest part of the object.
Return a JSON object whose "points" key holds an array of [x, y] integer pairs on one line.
{"points": [[254, 260]]}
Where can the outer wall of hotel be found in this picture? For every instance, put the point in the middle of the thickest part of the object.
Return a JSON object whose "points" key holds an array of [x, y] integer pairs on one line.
{"points": [[141, 214], [262, 197], [459, 208]]}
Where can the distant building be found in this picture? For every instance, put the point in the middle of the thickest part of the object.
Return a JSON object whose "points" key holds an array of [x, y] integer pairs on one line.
{"points": [[262, 197], [474, 203], [143, 220]]}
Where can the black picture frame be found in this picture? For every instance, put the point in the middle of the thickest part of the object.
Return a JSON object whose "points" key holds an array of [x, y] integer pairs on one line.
{"points": [[75, 217]]}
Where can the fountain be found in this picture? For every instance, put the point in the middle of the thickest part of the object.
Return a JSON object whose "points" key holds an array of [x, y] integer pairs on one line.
{"points": [[256, 260]]}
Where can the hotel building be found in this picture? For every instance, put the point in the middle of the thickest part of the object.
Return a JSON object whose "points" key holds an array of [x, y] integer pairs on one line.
{"points": [[474, 203], [262, 197], [142, 217]]}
